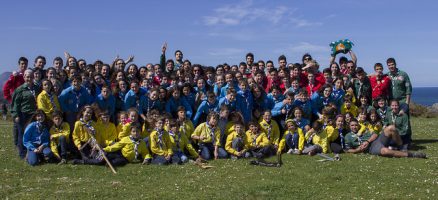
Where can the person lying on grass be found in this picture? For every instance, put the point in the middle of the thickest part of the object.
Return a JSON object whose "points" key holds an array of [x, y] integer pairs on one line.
{"points": [[376, 144]]}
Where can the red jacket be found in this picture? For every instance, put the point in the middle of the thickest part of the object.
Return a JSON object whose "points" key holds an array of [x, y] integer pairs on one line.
{"points": [[381, 88], [11, 84]]}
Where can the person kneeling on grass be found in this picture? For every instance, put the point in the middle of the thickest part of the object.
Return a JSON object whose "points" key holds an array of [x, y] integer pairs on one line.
{"points": [[129, 149], [207, 135], [258, 142], [161, 145], [36, 139], [237, 145], [316, 140], [180, 144], [59, 137], [376, 144], [293, 139]]}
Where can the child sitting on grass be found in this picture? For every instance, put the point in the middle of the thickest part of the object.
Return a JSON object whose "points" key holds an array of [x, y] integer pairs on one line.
{"points": [[59, 137], [293, 139]]}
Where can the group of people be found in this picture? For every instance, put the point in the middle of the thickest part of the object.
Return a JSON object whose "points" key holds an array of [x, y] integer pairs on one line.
{"points": [[176, 111]]}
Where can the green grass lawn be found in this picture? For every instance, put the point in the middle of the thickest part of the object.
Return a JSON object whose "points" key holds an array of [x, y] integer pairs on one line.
{"points": [[301, 177]]}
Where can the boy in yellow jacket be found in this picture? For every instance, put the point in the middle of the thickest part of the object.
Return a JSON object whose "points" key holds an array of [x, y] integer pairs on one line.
{"points": [[161, 145], [237, 144], [271, 128], [106, 131], [258, 143], [293, 139], [316, 140], [186, 124], [130, 149], [207, 135], [47, 100], [59, 137], [180, 144]]}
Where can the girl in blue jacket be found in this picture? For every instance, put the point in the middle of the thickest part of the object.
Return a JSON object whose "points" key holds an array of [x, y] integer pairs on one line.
{"points": [[36, 139]]}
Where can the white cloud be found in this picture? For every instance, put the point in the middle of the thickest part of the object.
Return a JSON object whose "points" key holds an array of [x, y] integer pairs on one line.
{"points": [[308, 47], [225, 52], [246, 12], [30, 28]]}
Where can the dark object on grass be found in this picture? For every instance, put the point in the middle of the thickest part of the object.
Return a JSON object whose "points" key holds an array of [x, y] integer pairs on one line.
{"points": [[261, 162]]}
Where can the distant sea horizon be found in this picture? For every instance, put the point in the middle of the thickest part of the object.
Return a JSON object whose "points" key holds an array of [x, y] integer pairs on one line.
{"points": [[425, 95]]}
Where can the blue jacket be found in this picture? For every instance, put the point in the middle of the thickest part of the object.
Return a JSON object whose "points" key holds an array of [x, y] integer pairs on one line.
{"points": [[72, 101], [225, 88], [190, 99], [232, 106], [149, 105], [135, 100], [107, 104], [204, 108], [33, 138], [306, 106], [172, 106], [318, 102], [276, 111], [245, 103], [279, 98]]}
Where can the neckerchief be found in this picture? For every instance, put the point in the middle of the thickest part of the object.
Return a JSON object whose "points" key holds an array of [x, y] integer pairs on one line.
{"points": [[160, 138], [309, 141], [288, 109], [212, 129], [40, 128], [311, 89], [175, 138], [254, 138], [149, 107], [137, 101], [292, 134], [394, 118], [382, 113], [268, 127], [52, 100], [78, 97], [342, 138], [325, 101], [32, 91], [136, 143]]}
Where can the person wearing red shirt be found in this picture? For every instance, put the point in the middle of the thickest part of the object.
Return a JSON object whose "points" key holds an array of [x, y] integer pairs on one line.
{"points": [[15, 80], [380, 83]]}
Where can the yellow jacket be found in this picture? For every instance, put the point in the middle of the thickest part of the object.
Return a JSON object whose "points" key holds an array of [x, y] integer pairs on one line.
{"points": [[80, 135], [256, 140], [363, 128], [375, 128], [332, 133], [274, 136], [203, 130], [229, 128], [63, 130], [126, 131], [183, 143], [106, 133], [187, 128], [166, 145], [44, 103], [319, 139], [127, 146], [301, 139], [231, 137], [353, 109]]}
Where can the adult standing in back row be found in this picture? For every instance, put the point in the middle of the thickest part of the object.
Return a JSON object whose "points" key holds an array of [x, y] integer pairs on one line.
{"points": [[401, 88]]}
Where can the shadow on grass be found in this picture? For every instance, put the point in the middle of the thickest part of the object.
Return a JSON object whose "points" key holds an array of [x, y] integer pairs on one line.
{"points": [[418, 144]]}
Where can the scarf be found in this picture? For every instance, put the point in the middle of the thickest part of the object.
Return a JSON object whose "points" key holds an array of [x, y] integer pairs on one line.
{"points": [[212, 130], [160, 138], [136, 143], [175, 138], [78, 98]]}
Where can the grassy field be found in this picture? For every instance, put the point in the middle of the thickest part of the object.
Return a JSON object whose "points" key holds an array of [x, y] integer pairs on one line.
{"points": [[301, 177]]}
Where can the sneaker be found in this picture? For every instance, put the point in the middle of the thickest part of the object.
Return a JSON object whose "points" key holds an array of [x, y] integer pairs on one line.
{"points": [[77, 162], [417, 155], [296, 152], [290, 151], [404, 148], [392, 148], [337, 157], [63, 161]]}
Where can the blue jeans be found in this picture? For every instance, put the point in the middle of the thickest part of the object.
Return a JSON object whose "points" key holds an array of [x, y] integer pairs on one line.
{"points": [[183, 158], [292, 141], [207, 151], [62, 147], [19, 132], [34, 158], [161, 160]]}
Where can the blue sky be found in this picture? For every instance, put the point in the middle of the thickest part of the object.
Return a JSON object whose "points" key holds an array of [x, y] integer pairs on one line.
{"points": [[213, 32]]}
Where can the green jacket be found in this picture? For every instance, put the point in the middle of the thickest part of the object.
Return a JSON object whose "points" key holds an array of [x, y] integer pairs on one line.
{"points": [[23, 101], [400, 85], [352, 140], [401, 122]]}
